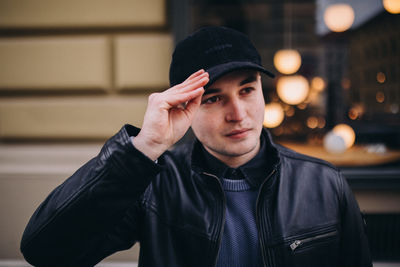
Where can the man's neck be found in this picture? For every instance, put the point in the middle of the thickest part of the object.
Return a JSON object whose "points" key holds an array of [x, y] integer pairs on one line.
{"points": [[236, 161]]}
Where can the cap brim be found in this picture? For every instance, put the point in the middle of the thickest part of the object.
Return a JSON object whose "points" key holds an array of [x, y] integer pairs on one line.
{"points": [[218, 71]]}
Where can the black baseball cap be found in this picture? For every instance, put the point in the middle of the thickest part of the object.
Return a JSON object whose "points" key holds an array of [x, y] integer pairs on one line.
{"points": [[217, 50]]}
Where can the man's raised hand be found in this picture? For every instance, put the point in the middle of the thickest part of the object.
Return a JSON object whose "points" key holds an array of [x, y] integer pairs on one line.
{"points": [[169, 115]]}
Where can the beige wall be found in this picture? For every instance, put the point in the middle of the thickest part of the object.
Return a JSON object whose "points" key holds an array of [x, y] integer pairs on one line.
{"points": [[54, 72], [71, 74], [66, 66]]}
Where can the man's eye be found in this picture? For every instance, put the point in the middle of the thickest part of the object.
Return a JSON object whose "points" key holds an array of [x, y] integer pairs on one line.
{"points": [[211, 100], [247, 90]]}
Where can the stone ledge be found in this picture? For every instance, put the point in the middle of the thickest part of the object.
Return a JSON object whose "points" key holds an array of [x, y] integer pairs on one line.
{"points": [[78, 14], [69, 118]]}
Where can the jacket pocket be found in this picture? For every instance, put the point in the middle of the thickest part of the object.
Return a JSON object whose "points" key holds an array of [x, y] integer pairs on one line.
{"points": [[304, 243], [313, 249]]}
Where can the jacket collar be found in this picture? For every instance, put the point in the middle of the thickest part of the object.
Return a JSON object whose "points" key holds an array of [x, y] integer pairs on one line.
{"points": [[255, 171]]}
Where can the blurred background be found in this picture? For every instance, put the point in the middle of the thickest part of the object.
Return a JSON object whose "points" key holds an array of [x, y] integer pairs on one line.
{"points": [[73, 72]]}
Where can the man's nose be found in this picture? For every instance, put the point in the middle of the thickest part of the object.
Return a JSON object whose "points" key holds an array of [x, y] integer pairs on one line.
{"points": [[236, 111]]}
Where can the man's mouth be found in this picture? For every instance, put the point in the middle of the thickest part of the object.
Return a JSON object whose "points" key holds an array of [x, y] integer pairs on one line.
{"points": [[237, 134]]}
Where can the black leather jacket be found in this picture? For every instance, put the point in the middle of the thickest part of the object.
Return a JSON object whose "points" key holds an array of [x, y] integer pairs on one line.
{"points": [[306, 213]]}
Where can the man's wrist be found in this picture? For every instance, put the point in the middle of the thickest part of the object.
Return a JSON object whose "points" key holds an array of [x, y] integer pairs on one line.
{"points": [[150, 150]]}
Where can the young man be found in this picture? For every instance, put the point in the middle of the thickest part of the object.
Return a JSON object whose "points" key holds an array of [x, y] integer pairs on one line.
{"points": [[230, 198]]}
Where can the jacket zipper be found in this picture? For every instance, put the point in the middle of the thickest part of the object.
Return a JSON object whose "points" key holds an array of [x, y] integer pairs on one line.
{"points": [[222, 223], [300, 242], [260, 229]]}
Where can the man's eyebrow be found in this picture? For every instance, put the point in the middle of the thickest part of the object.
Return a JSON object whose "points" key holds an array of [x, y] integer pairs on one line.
{"points": [[249, 79], [211, 91]]}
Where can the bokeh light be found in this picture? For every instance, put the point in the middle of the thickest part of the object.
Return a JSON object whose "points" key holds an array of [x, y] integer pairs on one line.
{"points": [[302, 106], [380, 97], [356, 111], [334, 143], [321, 122], [394, 108], [289, 112], [287, 61], [392, 6], [353, 114], [346, 132], [292, 89], [318, 84], [339, 17], [312, 122], [273, 115], [381, 77]]}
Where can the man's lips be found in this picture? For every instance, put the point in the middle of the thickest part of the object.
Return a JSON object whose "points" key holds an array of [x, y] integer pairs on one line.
{"points": [[238, 133]]}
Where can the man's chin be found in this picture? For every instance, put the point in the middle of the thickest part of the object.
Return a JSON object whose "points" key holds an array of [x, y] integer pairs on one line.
{"points": [[239, 149]]}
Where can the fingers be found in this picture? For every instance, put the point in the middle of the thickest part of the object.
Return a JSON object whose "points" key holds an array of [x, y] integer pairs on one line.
{"points": [[178, 95], [199, 81], [180, 98], [197, 73], [191, 88], [191, 80]]}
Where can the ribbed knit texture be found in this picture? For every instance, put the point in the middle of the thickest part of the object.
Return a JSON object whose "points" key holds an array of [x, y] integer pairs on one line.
{"points": [[239, 245], [235, 185]]}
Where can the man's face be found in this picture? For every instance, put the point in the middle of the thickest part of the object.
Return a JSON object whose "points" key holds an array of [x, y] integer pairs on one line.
{"points": [[230, 118]]}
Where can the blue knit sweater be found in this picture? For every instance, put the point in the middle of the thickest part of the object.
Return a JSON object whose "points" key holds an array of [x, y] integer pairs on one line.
{"points": [[240, 245]]}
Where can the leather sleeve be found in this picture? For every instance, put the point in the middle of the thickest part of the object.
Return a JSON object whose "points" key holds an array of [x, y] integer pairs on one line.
{"points": [[354, 243], [95, 212]]}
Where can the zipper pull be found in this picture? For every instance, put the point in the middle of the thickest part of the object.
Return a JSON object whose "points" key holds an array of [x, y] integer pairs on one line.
{"points": [[295, 244]]}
